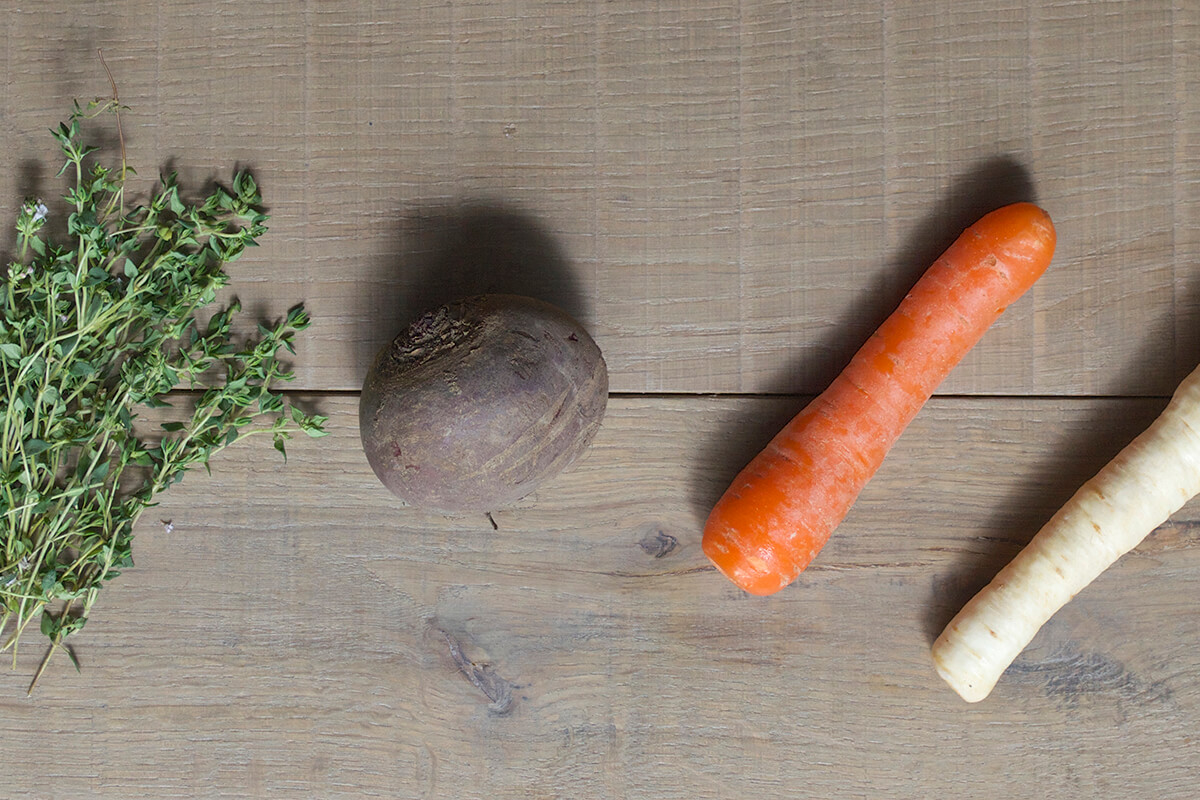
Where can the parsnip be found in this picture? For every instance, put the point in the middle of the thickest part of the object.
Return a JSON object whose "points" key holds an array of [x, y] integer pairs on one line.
{"points": [[1111, 514]]}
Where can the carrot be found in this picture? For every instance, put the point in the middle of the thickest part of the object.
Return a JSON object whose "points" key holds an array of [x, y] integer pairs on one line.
{"points": [[784, 505], [1107, 517]]}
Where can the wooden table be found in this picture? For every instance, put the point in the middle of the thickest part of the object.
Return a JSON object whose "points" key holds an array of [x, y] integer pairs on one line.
{"points": [[731, 196]]}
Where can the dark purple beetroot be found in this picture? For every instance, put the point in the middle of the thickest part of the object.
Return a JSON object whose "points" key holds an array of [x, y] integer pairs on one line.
{"points": [[481, 401]]}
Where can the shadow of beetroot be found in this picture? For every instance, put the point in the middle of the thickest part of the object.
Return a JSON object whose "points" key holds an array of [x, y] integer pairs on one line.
{"points": [[446, 252]]}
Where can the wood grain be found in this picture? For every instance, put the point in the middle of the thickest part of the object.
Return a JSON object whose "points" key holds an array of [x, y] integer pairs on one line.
{"points": [[298, 633], [730, 194]]}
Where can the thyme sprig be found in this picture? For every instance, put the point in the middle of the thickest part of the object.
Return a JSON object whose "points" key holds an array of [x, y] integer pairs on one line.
{"points": [[92, 331]]}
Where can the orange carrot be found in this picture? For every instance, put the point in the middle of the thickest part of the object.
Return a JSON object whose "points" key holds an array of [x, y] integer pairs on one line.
{"points": [[782, 508]]}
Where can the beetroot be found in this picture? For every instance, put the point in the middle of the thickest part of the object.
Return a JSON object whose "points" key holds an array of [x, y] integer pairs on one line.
{"points": [[480, 402]]}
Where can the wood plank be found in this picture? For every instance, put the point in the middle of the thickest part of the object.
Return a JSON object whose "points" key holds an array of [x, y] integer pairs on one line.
{"points": [[731, 194], [298, 633]]}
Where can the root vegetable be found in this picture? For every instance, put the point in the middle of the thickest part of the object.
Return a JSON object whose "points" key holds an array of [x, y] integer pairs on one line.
{"points": [[480, 402], [1107, 517], [782, 508]]}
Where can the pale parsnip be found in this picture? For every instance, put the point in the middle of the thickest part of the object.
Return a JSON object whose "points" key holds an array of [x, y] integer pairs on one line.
{"points": [[1111, 514]]}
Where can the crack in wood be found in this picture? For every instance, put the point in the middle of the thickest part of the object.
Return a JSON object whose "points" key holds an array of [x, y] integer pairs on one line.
{"points": [[496, 689]]}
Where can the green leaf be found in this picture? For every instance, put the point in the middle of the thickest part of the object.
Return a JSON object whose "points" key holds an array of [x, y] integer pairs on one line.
{"points": [[297, 317], [131, 270], [101, 471], [248, 190], [81, 369], [11, 352]]}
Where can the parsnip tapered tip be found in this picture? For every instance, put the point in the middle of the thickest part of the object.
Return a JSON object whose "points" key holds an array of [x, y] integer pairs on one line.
{"points": [[968, 690], [966, 671]]}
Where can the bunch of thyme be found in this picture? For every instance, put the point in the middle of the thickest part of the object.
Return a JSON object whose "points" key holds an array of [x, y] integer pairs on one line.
{"points": [[94, 330]]}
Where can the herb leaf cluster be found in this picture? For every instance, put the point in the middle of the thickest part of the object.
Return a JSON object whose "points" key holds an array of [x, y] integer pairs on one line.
{"points": [[94, 330]]}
